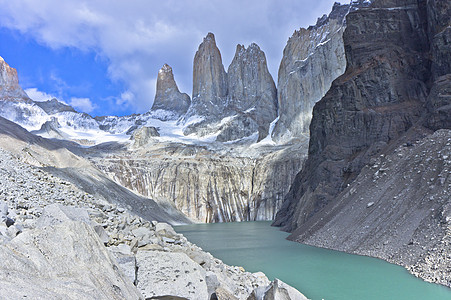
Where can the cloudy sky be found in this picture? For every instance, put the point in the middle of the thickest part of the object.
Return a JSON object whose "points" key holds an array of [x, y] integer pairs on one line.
{"points": [[102, 56]]}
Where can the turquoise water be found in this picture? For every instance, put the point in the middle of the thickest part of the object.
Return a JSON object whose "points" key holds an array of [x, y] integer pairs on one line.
{"points": [[317, 273]]}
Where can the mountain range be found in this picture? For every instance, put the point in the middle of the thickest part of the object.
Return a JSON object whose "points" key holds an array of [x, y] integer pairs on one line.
{"points": [[350, 151]]}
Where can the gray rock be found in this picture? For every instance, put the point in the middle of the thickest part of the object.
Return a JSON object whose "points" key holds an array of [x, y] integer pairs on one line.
{"points": [[165, 230], [170, 274], [56, 213], [278, 290], [127, 264], [63, 261], [168, 97], [209, 80], [251, 88], [3, 211], [104, 238], [144, 135], [312, 59]]}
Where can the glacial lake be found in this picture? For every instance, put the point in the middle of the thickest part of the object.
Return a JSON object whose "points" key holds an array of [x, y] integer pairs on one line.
{"points": [[318, 273]]}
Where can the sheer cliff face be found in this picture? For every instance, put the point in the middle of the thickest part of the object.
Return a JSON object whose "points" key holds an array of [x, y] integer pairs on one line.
{"points": [[379, 97], [251, 87], [209, 80], [168, 96], [9, 82], [439, 101], [205, 185], [232, 105], [311, 60]]}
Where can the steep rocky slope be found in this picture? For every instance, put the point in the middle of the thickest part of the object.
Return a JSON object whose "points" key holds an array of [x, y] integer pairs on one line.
{"points": [[57, 241], [57, 159], [9, 83], [396, 82], [398, 209]]}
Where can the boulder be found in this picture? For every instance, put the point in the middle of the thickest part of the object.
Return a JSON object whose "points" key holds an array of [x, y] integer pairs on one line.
{"points": [[64, 261], [55, 214], [278, 290], [3, 211], [166, 274], [164, 229]]}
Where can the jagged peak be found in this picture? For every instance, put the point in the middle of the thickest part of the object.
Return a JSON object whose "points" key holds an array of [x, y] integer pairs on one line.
{"points": [[253, 47], [210, 38], [1, 59], [165, 69]]}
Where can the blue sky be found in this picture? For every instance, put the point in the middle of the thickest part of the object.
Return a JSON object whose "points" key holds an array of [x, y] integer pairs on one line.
{"points": [[103, 56]]}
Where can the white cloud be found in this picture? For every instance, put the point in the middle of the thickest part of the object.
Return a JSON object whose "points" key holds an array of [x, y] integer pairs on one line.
{"points": [[138, 37], [82, 104], [37, 95]]}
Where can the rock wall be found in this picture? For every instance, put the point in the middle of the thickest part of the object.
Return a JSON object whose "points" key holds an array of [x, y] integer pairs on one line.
{"points": [[251, 88], [205, 185], [209, 80], [377, 99], [312, 59]]}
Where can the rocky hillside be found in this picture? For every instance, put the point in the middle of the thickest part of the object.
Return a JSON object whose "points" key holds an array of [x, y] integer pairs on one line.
{"points": [[395, 85], [57, 241]]}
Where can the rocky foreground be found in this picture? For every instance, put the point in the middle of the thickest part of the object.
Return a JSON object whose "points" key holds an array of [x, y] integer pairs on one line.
{"points": [[57, 241]]}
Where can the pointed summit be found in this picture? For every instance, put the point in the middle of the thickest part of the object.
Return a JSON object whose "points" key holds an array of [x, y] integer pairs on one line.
{"points": [[251, 86], [209, 78], [168, 97], [9, 82]]}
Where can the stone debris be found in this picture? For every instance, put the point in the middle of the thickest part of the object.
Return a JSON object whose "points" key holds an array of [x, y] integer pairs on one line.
{"points": [[59, 229]]}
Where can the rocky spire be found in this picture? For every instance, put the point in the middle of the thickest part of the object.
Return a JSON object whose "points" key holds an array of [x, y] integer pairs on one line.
{"points": [[251, 87], [9, 82], [168, 97], [209, 79]]}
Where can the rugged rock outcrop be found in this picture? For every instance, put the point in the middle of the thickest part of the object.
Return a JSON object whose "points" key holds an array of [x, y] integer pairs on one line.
{"points": [[439, 29], [377, 99], [209, 80], [231, 105], [208, 185], [379, 103], [54, 106], [143, 135], [252, 89], [168, 96], [9, 83], [312, 59]]}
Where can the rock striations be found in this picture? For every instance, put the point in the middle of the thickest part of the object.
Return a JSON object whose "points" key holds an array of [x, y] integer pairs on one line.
{"points": [[389, 91], [168, 97]]}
